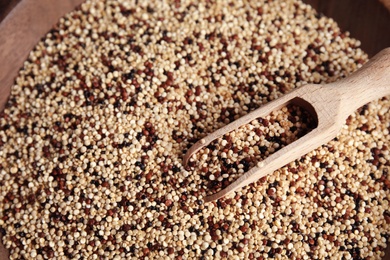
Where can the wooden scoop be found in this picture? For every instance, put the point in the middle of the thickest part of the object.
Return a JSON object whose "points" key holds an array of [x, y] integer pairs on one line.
{"points": [[329, 104]]}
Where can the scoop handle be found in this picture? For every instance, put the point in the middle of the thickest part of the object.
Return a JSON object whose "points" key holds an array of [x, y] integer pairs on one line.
{"points": [[370, 82]]}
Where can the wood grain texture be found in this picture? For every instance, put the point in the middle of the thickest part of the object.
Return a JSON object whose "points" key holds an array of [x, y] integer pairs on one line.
{"points": [[20, 30]]}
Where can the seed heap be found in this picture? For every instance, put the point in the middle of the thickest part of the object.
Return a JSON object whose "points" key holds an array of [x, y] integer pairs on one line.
{"points": [[93, 136], [225, 159]]}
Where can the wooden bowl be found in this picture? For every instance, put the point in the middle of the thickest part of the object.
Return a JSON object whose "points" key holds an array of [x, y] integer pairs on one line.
{"points": [[24, 22]]}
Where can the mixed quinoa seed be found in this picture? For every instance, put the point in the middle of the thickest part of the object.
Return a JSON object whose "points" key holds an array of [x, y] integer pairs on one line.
{"points": [[226, 159], [101, 114]]}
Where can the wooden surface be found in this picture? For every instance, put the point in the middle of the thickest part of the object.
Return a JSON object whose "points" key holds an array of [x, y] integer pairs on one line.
{"points": [[386, 3], [23, 22], [6, 7]]}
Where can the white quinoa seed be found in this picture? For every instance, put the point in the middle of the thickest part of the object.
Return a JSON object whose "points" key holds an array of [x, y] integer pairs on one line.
{"points": [[104, 108]]}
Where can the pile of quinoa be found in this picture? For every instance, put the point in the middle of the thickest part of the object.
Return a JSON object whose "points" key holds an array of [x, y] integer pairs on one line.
{"points": [[103, 110], [226, 159]]}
